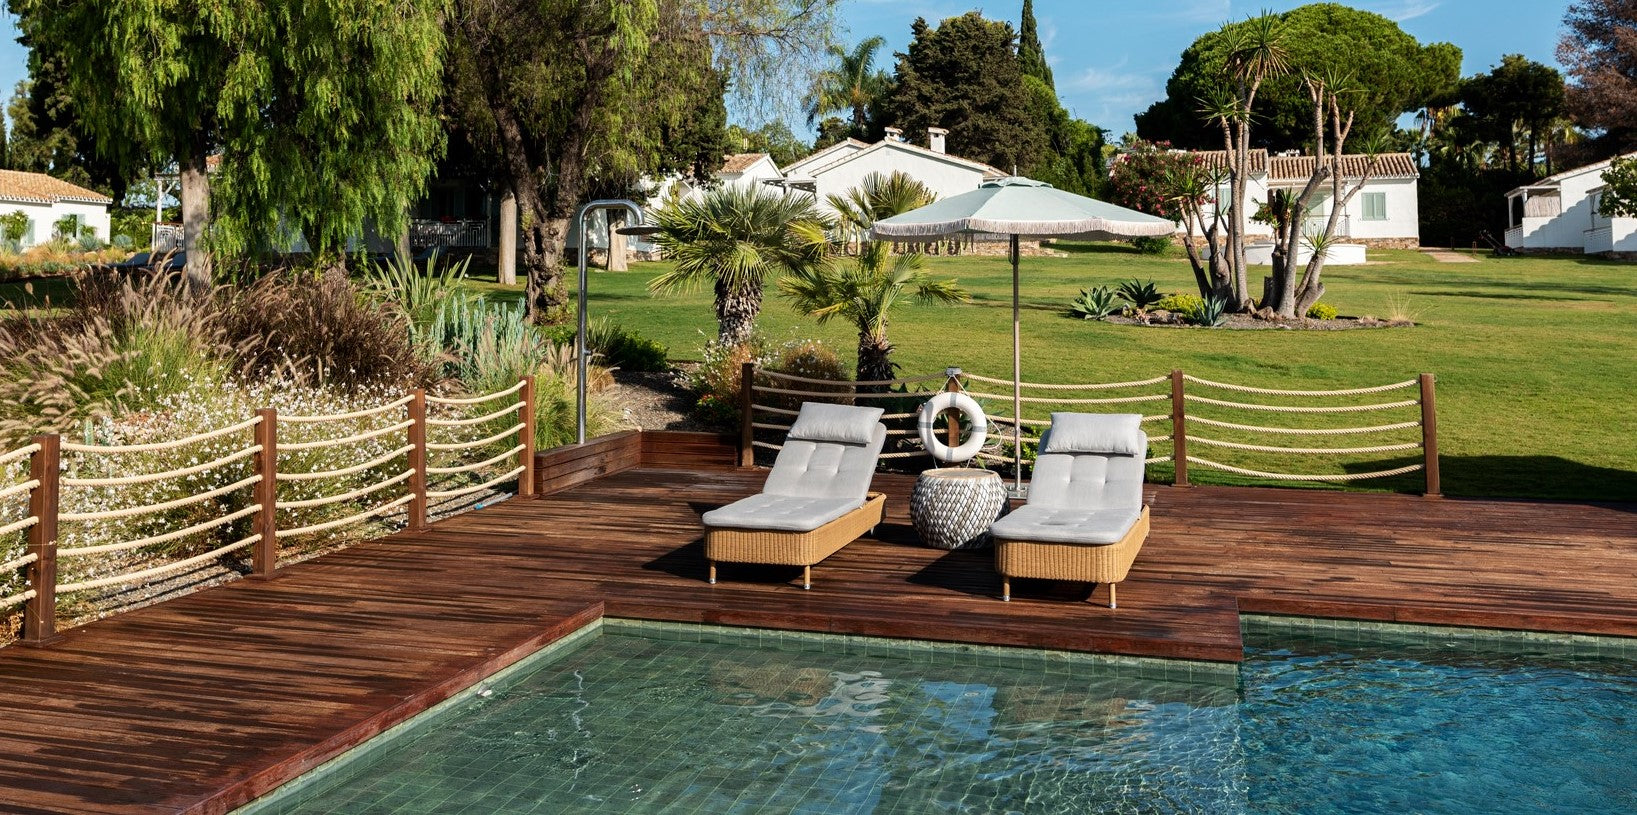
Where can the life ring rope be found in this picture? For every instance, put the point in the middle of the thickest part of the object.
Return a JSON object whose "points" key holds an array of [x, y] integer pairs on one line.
{"points": [[927, 427]]}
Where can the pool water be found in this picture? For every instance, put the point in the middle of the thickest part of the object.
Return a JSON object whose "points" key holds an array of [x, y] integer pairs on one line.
{"points": [[625, 721]]}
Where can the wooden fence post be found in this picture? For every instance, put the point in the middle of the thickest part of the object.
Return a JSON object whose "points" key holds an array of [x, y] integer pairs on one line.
{"points": [[1179, 429], [264, 557], [417, 460], [40, 612], [525, 415], [1429, 435], [952, 417], [747, 398]]}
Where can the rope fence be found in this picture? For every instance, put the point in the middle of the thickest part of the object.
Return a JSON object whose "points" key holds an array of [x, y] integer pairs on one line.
{"points": [[766, 405], [251, 491]]}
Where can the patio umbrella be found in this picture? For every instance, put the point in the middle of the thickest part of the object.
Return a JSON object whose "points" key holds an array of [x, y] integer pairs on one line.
{"points": [[1021, 208]]}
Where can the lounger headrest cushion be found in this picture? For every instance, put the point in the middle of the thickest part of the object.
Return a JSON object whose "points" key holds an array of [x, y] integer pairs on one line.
{"points": [[843, 424], [1106, 433]]}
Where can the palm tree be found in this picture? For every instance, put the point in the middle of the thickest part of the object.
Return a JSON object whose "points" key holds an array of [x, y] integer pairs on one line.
{"points": [[850, 85], [736, 237], [864, 290]]}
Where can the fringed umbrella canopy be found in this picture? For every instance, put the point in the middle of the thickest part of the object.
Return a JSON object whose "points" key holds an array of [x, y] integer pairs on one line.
{"points": [[1025, 208], [1021, 208]]}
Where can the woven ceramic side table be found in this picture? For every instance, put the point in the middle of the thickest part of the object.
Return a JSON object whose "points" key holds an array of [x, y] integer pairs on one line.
{"points": [[953, 508]]}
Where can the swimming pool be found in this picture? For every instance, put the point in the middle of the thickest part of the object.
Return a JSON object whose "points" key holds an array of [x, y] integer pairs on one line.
{"points": [[642, 718]]}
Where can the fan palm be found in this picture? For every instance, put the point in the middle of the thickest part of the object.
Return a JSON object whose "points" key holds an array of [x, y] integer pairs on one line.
{"points": [[736, 237], [864, 290], [851, 84]]}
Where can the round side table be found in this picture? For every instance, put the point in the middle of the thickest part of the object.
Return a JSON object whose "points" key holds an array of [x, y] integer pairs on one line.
{"points": [[953, 508]]}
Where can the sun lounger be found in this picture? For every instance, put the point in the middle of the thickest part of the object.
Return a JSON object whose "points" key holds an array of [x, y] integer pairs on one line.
{"points": [[816, 499], [1085, 519]]}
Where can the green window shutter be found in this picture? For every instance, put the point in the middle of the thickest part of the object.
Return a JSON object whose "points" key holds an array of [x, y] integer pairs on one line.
{"points": [[1375, 206]]}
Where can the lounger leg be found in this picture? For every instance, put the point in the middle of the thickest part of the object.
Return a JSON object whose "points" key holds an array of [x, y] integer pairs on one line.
{"points": [[713, 572], [1111, 595], [806, 577], [1005, 589]]}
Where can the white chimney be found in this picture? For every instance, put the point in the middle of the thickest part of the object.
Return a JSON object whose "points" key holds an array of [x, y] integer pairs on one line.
{"points": [[895, 134], [935, 139]]}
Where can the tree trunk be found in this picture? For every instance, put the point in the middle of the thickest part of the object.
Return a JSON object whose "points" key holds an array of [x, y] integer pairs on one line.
{"points": [[617, 261], [736, 310], [874, 361], [508, 237], [195, 183]]}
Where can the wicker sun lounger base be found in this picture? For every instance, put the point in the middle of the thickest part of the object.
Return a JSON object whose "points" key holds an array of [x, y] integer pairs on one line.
{"points": [[775, 548], [1086, 563]]}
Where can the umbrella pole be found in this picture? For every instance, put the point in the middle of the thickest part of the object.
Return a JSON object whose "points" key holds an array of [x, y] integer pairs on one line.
{"points": [[1017, 379]]}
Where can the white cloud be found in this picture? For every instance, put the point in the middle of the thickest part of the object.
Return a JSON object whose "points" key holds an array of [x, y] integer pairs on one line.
{"points": [[1403, 10]]}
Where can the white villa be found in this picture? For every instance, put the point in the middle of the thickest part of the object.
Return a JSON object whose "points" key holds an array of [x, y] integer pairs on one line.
{"points": [[842, 166], [47, 201], [1559, 214], [1384, 214]]}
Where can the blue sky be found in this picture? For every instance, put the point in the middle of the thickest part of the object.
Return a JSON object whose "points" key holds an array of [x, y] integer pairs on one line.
{"points": [[1111, 57]]}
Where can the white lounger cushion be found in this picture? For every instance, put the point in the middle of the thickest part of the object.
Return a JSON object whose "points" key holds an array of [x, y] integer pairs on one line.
{"points": [[781, 513], [823, 469], [1108, 433], [843, 424], [1042, 524]]}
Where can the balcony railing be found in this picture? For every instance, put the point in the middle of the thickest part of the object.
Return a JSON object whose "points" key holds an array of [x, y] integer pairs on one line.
{"points": [[463, 234]]}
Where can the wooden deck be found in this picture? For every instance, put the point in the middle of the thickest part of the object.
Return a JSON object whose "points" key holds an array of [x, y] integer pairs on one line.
{"points": [[203, 703]]}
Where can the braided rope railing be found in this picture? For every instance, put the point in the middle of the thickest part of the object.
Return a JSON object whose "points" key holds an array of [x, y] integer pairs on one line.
{"points": [[509, 410], [148, 478], [467, 445], [831, 394], [18, 526], [16, 599], [490, 484], [474, 467], [1306, 408], [17, 489], [342, 417], [18, 563], [1303, 477], [18, 454], [319, 475], [1262, 448], [367, 514], [149, 509], [1304, 431], [911, 380], [71, 447], [1079, 387], [167, 537], [352, 439], [1042, 400], [1410, 383], [327, 500], [162, 569], [475, 400]]}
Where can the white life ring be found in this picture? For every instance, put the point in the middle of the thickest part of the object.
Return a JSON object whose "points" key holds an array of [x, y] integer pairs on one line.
{"points": [[927, 427]]}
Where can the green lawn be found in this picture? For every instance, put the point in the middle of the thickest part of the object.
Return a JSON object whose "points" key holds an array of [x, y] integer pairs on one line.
{"points": [[1534, 357]]}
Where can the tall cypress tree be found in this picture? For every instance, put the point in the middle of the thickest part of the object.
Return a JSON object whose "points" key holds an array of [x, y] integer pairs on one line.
{"points": [[1030, 54]]}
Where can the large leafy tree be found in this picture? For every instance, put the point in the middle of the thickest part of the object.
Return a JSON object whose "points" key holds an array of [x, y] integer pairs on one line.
{"points": [[333, 129], [735, 238], [851, 85], [964, 75], [573, 96], [47, 137], [322, 112], [1600, 52], [1517, 100], [864, 290], [1395, 74], [774, 138], [1031, 55]]}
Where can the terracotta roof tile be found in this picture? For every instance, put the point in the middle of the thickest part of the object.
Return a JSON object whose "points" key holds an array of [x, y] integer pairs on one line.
{"points": [[1218, 160], [43, 189], [740, 162], [1353, 165]]}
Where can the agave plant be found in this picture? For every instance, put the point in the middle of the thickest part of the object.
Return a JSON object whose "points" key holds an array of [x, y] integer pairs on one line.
{"points": [[1095, 304], [1140, 295], [1209, 312]]}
